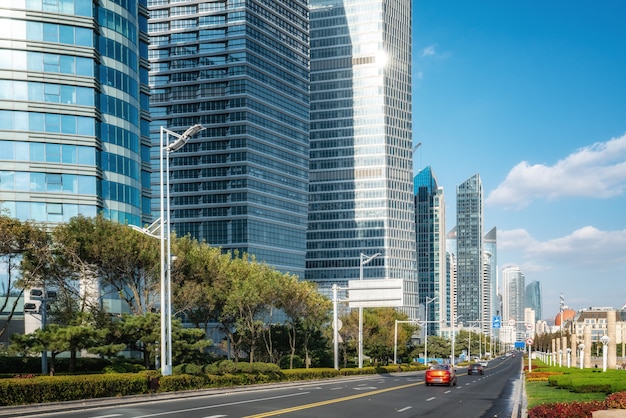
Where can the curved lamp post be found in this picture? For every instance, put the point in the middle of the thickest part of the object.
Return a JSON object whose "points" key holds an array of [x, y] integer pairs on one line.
{"points": [[605, 342], [364, 259], [163, 224]]}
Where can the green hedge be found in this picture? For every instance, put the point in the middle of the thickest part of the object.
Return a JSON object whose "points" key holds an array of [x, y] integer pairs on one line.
{"points": [[40, 389], [19, 391], [589, 380], [32, 365]]}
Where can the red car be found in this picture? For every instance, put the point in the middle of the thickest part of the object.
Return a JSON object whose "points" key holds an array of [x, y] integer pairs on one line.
{"points": [[440, 374]]}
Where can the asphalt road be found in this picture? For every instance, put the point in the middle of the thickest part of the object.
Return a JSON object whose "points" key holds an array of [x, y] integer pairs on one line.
{"points": [[402, 395]]}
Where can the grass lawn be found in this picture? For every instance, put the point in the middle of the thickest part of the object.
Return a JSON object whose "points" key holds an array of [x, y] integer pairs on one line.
{"points": [[538, 393]]}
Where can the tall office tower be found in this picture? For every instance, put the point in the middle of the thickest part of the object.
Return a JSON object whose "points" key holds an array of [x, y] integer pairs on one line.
{"points": [[361, 180], [513, 288], [492, 305], [241, 69], [74, 110], [451, 262], [533, 298], [469, 236], [432, 276]]}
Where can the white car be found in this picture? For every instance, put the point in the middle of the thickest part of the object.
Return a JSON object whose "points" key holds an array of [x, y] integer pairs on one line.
{"points": [[483, 363]]}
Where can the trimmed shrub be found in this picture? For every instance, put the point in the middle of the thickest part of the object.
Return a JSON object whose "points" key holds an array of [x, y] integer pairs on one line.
{"points": [[16, 391]]}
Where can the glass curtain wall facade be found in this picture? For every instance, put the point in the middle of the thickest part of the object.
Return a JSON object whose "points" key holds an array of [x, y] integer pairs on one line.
{"points": [[469, 238], [430, 229], [513, 299], [74, 110], [492, 302], [361, 181], [533, 298], [241, 69]]}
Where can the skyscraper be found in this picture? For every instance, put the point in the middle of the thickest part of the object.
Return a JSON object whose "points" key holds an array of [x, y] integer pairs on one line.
{"points": [[241, 69], [431, 255], [74, 110], [490, 286], [533, 298], [513, 288], [361, 182], [469, 236]]}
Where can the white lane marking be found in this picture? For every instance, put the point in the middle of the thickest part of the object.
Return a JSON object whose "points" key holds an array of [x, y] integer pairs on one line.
{"points": [[430, 399], [366, 388], [220, 405], [307, 388], [336, 388], [216, 416], [447, 391], [108, 416], [404, 409]]}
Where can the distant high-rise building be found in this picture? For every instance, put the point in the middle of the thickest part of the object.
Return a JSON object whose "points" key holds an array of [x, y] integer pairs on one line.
{"points": [[513, 289], [74, 116], [469, 236], [361, 181], [241, 69], [533, 298], [491, 306], [451, 265], [431, 255]]}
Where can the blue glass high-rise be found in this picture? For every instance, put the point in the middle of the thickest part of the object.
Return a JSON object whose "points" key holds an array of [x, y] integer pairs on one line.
{"points": [[241, 69], [361, 180]]}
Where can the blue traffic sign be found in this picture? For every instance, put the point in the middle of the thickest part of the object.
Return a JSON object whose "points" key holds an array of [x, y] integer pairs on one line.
{"points": [[496, 322]]}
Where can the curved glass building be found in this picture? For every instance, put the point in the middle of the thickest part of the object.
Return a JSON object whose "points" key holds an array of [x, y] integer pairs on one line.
{"points": [[74, 121]]}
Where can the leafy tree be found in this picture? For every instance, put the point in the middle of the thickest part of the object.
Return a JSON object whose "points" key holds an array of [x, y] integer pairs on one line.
{"points": [[317, 311], [57, 339], [22, 252], [128, 264], [247, 302], [438, 347], [195, 273], [378, 332]]}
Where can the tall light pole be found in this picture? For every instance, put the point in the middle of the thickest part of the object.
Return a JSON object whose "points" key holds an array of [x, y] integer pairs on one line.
{"points": [[166, 279], [428, 301], [364, 259]]}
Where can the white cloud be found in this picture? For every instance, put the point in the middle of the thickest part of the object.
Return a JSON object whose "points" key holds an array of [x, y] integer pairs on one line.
{"points": [[428, 51], [587, 247], [595, 171]]}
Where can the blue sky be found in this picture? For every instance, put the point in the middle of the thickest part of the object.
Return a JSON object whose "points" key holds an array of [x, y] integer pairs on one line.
{"points": [[532, 95]]}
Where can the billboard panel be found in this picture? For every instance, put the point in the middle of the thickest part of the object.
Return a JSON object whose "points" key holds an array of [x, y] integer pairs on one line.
{"points": [[375, 293]]}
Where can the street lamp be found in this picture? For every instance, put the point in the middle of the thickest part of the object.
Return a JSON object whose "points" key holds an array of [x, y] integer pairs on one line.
{"points": [[581, 347], [364, 259], [605, 342], [166, 294], [428, 301]]}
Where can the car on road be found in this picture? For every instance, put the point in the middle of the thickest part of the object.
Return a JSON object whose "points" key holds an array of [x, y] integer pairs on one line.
{"points": [[483, 363], [475, 368], [440, 374]]}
